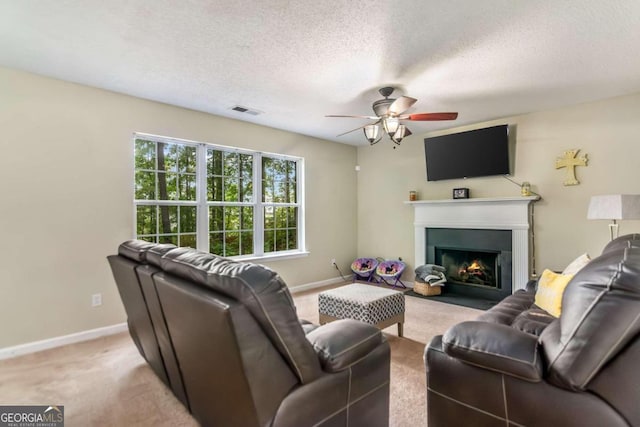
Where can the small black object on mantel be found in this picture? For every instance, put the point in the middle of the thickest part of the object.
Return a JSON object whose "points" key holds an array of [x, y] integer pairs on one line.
{"points": [[460, 193]]}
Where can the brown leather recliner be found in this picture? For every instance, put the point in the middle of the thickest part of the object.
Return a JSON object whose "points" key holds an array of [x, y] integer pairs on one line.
{"points": [[581, 371], [226, 339]]}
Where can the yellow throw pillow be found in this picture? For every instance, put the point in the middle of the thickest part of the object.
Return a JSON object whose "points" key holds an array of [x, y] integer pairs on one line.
{"points": [[550, 289]]}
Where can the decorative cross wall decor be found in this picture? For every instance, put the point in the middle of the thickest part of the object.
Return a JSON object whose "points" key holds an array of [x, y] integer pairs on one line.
{"points": [[570, 161]]}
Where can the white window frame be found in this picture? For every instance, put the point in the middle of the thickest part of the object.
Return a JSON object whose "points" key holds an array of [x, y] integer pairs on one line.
{"points": [[202, 227]]}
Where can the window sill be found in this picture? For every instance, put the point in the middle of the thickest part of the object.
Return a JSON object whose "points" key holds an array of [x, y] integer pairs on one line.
{"points": [[280, 256]]}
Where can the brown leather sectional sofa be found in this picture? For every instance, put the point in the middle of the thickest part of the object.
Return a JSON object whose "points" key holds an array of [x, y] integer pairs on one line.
{"points": [[518, 366], [225, 338]]}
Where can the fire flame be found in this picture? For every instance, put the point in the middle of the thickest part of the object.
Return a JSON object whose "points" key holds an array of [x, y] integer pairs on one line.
{"points": [[475, 266]]}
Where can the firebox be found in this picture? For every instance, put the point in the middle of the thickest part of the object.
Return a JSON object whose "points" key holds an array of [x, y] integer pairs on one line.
{"points": [[470, 267], [478, 262]]}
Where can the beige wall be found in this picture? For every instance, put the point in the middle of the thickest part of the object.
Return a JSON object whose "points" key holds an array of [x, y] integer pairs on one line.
{"points": [[66, 173], [607, 131]]}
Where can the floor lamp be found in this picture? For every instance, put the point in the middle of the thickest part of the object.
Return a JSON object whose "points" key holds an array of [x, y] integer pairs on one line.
{"points": [[614, 207]]}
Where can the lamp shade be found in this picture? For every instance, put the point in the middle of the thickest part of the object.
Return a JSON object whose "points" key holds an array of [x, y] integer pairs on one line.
{"points": [[400, 134], [371, 133], [614, 206], [390, 125]]}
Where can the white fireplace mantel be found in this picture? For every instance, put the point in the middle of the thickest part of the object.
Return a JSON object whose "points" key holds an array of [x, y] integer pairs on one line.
{"points": [[504, 213]]}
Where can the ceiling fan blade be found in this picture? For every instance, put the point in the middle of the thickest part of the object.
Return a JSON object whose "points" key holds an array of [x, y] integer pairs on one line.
{"points": [[358, 128], [425, 117], [356, 117], [401, 105]]}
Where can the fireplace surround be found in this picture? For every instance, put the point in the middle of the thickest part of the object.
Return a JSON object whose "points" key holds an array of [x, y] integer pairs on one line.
{"points": [[477, 261], [510, 215]]}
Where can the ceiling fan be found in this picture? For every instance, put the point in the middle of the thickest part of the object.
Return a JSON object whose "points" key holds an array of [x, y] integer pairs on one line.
{"points": [[390, 111]]}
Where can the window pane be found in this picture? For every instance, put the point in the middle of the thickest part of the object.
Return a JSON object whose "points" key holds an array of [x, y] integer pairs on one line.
{"points": [[292, 239], [281, 240], [278, 170], [269, 240], [231, 189], [246, 166], [146, 220], [268, 217], [246, 242], [187, 187], [188, 240], [267, 191], [188, 219], [167, 186], [246, 222], [291, 171], [186, 159], [231, 164], [168, 219], [214, 162], [232, 218], [291, 189], [151, 239], [267, 167], [281, 191], [232, 244], [216, 218], [145, 186], [246, 191], [169, 239], [167, 156], [293, 217], [214, 189], [145, 153], [216, 243], [281, 217]]}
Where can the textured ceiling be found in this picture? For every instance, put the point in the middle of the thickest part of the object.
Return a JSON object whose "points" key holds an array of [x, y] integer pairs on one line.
{"points": [[298, 60]]}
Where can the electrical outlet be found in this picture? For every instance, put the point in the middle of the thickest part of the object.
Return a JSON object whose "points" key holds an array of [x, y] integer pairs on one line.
{"points": [[96, 300], [333, 261]]}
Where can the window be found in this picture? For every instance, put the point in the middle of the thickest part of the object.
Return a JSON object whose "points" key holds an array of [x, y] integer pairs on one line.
{"points": [[230, 202]]}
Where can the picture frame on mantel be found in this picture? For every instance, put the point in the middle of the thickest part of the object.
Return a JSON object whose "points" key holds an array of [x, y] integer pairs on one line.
{"points": [[460, 193]]}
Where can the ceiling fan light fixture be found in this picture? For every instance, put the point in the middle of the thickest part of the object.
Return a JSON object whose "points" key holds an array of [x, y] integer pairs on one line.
{"points": [[389, 112], [391, 125], [371, 132], [399, 134]]}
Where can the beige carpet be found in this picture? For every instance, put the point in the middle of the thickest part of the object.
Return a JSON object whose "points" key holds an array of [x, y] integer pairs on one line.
{"points": [[105, 382]]}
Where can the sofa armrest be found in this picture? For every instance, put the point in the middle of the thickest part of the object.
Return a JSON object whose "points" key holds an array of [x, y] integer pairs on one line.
{"points": [[341, 343], [496, 347]]}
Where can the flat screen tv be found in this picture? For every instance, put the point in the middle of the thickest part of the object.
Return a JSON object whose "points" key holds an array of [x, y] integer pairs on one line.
{"points": [[480, 152]]}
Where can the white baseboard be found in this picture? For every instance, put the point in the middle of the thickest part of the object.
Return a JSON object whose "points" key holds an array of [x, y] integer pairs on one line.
{"points": [[32, 347], [321, 283], [314, 285]]}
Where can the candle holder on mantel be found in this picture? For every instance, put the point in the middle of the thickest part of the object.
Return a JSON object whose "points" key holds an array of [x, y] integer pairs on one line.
{"points": [[413, 196]]}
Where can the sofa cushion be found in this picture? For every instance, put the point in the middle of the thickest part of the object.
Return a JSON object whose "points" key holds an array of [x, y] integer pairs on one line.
{"points": [[156, 252], [264, 294], [495, 347], [519, 312], [135, 250], [144, 252], [532, 321], [341, 343], [626, 241]]}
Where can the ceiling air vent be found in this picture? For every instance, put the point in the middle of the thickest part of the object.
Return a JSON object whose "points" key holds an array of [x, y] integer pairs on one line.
{"points": [[246, 110]]}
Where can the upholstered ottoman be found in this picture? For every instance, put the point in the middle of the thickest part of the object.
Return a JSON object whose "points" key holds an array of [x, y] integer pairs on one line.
{"points": [[370, 304]]}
